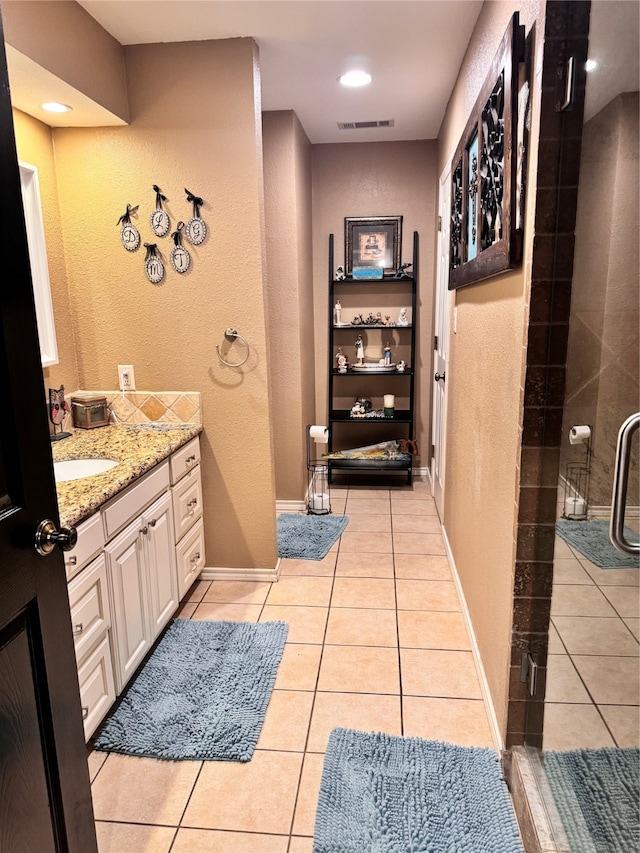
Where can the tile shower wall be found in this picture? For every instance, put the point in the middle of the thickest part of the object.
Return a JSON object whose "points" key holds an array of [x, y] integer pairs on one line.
{"points": [[553, 253], [603, 358]]}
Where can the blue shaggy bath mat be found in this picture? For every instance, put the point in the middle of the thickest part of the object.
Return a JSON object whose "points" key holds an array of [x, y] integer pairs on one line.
{"points": [[591, 538], [202, 694], [386, 794], [308, 537], [597, 794]]}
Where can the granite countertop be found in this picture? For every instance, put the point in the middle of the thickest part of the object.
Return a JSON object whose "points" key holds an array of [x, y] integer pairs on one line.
{"points": [[137, 450]]}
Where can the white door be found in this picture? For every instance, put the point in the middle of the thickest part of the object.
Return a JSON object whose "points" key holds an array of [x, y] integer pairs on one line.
{"points": [[441, 343]]}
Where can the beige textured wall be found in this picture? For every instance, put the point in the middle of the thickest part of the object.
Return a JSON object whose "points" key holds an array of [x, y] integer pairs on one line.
{"points": [[484, 383], [377, 179], [602, 363], [287, 176], [65, 40], [35, 146], [195, 122]]}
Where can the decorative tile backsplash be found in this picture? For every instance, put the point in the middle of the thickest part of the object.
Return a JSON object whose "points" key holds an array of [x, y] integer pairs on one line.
{"points": [[136, 407]]}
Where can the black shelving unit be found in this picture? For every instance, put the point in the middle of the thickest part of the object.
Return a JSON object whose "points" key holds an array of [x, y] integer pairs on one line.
{"points": [[386, 295]]}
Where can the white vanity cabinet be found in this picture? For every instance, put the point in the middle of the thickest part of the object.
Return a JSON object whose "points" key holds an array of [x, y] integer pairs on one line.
{"points": [[141, 565], [135, 558], [91, 622], [186, 488]]}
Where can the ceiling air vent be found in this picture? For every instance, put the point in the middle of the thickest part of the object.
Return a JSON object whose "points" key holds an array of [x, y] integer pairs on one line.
{"points": [[359, 125]]}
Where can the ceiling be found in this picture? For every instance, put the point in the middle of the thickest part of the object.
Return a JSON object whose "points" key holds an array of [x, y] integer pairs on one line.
{"points": [[413, 49]]}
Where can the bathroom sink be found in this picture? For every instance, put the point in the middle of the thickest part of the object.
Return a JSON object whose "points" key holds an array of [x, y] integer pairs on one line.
{"points": [[76, 469]]}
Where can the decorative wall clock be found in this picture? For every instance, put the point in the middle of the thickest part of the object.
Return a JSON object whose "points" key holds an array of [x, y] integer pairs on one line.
{"points": [[486, 234]]}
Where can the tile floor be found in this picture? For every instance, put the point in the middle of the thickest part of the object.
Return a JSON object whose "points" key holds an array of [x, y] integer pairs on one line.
{"points": [[376, 641], [593, 688]]}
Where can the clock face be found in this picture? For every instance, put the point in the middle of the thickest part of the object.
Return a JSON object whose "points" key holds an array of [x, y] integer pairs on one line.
{"points": [[180, 259], [196, 231], [130, 237], [154, 269], [159, 222]]}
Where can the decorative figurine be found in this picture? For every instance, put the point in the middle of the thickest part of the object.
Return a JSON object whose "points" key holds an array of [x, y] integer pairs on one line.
{"points": [[356, 410], [401, 271], [371, 320], [359, 350], [402, 318], [58, 408], [400, 368], [387, 319], [340, 274], [338, 312], [387, 353], [341, 361], [357, 320], [379, 320]]}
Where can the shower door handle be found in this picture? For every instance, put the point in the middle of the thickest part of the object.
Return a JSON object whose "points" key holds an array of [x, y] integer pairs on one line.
{"points": [[620, 483]]}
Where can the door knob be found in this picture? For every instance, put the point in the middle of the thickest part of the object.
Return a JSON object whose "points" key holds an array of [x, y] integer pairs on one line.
{"points": [[47, 537], [440, 376]]}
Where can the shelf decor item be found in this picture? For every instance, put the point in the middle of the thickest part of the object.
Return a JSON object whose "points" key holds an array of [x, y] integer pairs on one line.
{"points": [[372, 244], [486, 232]]}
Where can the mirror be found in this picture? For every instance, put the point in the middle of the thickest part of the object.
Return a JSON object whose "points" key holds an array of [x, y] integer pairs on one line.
{"points": [[39, 267]]}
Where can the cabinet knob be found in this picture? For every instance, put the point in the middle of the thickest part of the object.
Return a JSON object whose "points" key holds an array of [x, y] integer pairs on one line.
{"points": [[153, 522], [72, 561], [78, 629], [144, 530], [190, 459], [85, 712], [195, 557]]}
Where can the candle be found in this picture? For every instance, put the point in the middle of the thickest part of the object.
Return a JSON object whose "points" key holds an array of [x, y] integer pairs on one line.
{"points": [[389, 401]]}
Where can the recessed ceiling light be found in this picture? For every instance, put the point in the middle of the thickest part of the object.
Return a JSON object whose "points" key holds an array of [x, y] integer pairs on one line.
{"points": [[355, 78], [55, 107], [590, 65]]}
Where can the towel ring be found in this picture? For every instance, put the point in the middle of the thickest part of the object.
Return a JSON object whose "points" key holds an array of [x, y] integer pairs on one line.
{"points": [[231, 335]]}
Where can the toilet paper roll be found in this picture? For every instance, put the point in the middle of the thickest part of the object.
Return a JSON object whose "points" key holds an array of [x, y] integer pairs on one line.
{"points": [[578, 434], [320, 434]]}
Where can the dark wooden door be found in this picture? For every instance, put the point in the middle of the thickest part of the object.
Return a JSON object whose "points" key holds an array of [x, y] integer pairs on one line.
{"points": [[45, 797]]}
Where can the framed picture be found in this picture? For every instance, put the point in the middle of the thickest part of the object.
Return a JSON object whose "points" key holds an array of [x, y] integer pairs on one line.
{"points": [[373, 243], [486, 226]]}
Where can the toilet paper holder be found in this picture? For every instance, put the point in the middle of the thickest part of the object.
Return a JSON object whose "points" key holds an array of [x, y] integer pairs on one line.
{"points": [[577, 476], [318, 490]]}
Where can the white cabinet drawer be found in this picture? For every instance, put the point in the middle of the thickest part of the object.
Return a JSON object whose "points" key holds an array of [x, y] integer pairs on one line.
{"points": [[185, 459], [90, 542], [190, 558], [89, 600], [119, 512], [187, 502], [97, 690]]}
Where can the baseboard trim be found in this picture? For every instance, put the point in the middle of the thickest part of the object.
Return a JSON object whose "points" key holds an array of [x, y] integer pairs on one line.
{"points": [[222, 573], [422, 472], [482, 677], [291, 506]]}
